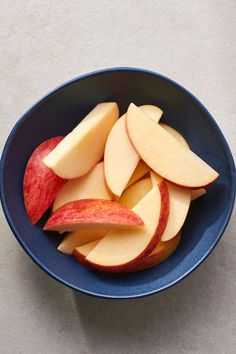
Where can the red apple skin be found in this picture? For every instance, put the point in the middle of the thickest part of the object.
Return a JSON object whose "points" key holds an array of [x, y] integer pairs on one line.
{"points": [[40, 184], [155, 259], [126, 267], [95, 211]]}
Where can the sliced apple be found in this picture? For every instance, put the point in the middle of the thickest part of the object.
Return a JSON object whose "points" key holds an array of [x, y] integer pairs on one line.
{"points": [[176, 134], [120, 250], [81, 149], [164, 154], [132, 195], [141, 170], [40, 185], [180, 199], [152, 111], [196, 193], [88, 214], [82, 252], [79, 238], [162, 251], [92, 185], [120, 158]]}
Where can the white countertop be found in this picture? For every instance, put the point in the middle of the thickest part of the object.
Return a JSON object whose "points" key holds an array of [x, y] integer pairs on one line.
{"points": [[41, 46]]}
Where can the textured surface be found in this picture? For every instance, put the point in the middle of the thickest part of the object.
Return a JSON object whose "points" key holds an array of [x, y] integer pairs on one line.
{"points": [[42, 46]]}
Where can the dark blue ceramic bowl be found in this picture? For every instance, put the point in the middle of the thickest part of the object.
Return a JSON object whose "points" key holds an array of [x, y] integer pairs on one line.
{"points": [[57, 113]]}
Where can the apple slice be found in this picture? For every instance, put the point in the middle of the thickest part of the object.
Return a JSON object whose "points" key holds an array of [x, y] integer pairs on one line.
{"points": [[180, 199], [141, 170], [81, 149], [153, 112], [120, 250], [120, 157], [164, 154], [196, 193], [162, 251], [176, 134], [83, 251], [132, 195], [85, 214], [79, 238], [92, 185], [40, 185]]}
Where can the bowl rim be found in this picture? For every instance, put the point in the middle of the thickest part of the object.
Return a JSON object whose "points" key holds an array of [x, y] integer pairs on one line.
{"points": [[53, 92]]}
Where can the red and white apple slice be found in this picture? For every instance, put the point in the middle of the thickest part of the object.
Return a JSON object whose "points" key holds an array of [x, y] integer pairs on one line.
{"points": [[162, 251], [92, 185], [164, 154], [88, 214], [79, 238], [119, 251], [83, 148], [180, 199], [132, 195], [40, 185]]}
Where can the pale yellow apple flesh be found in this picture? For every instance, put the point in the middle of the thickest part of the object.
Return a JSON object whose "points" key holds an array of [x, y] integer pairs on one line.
{"points": [[132, 195], [164, 154], [79, 238], [91, 185], [81, 149], [141, 170], [120, 157], [152, 111], [118, 251], [82, 252], [176, 134], [180, 199]]}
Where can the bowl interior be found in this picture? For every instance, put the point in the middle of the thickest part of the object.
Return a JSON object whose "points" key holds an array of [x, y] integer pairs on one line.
{"points": [[57, 114]]}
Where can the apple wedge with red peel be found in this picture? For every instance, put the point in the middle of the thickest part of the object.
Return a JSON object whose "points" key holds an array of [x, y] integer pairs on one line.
{"points": [[175, 134], [40, 185], [164, 154], [82, 252], [79, 238], [197, 193], [83, 148], [88, 214], [132, 195], [180, 199], [91, 185], [140, 171], [162, 251], [119, 251]]}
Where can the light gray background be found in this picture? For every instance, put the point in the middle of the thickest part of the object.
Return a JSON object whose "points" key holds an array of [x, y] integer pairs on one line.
{"points": [[43, 44]]}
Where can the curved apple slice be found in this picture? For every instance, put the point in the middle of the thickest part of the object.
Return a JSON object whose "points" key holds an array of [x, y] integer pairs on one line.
{"points": [[40, 185], [132, 195], [83, 148], [119, 251], [79, 238], [91, 185], [176, 134], [180, 199], [83, 251], [90, 214], [164, 154], [162, 251], [120, 157]]}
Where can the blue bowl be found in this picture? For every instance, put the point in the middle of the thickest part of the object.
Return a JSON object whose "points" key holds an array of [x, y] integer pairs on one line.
{"points": [[57, 113]]}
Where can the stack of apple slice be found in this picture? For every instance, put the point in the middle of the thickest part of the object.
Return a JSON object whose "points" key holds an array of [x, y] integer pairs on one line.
{"points": [[120, 188]]}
